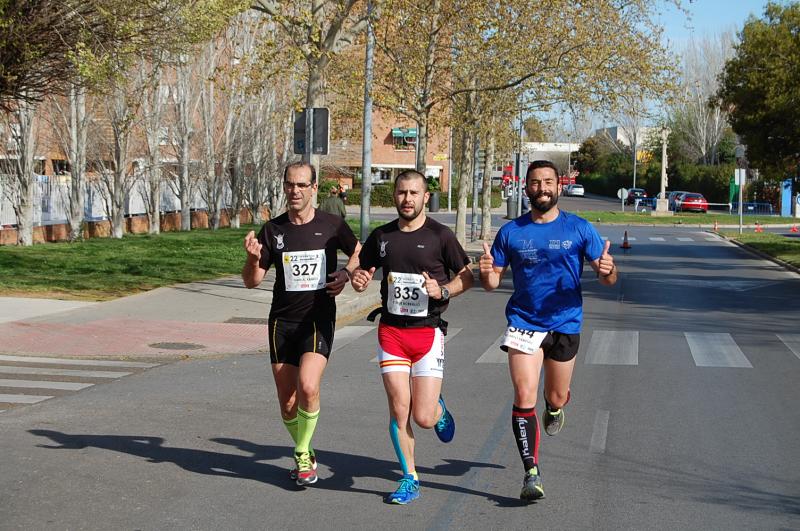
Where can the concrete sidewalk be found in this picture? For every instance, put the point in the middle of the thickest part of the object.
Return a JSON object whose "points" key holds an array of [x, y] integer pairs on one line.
{"points": [[207, 318]]}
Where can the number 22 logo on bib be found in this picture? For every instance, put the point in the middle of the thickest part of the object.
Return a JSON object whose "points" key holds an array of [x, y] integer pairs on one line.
{"points": [[304, 270], [407, 295]]}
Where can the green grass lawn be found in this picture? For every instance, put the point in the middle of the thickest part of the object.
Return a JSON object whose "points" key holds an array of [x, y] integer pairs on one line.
{"points": [[686, 218], [787, 249], [105, 268]]}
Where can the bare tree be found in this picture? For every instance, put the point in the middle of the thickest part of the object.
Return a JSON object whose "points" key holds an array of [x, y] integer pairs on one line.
{"points": [[154, 100], [20, 182]]}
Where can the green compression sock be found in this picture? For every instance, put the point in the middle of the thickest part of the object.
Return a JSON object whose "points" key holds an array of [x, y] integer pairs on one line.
{"points": [[306, 424], [291, 427]]}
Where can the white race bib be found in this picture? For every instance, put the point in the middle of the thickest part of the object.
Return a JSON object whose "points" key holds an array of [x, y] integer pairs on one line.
{"points": [[407, 295], [523, 340], [304, 270]]}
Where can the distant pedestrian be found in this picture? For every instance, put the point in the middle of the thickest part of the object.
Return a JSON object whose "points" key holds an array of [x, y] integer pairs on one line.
{"points": [[302, 245], [333, 204], [546, 251]]}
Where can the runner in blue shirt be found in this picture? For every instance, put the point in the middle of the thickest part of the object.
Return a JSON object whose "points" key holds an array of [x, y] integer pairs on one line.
{"points": [[546, 250]]}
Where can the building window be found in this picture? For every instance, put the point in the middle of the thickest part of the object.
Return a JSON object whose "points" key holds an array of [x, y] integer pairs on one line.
{"points": [[404, 138]]}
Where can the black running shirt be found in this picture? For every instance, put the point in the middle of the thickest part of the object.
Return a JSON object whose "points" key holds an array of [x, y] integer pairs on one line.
{"points": [[303, 256], [432, 248]]}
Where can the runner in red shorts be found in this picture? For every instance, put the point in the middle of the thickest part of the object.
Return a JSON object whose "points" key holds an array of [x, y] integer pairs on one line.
{"points": [[417, 255]]}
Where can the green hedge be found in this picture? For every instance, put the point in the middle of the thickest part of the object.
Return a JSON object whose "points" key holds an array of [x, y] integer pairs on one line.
{"points": [[382, 195]]}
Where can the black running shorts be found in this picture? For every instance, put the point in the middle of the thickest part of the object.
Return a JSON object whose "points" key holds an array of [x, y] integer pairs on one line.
{"points": [[557, 346], [289, 340]]}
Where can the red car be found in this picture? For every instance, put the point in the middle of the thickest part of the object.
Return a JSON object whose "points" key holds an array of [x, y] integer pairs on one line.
{"points": [[689, 202]]}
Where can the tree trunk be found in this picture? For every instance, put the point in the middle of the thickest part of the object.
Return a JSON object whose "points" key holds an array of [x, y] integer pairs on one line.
{"points": [[486, 209], [422, 144], [78, 129], [25, 183], [464, 183]]}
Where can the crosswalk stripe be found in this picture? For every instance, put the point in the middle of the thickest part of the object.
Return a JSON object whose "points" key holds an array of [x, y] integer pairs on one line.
{"points": [[656, 239], [22, 399], [451, 333], [685, 239], [348, 334], [493, 354], [61, 372], [792, 342], [613, 347], [597, 445], [44, 384], [94, 363], [716, 350]]}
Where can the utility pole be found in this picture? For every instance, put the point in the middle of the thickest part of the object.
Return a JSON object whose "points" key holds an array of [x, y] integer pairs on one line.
{"points": [[366, 150]]}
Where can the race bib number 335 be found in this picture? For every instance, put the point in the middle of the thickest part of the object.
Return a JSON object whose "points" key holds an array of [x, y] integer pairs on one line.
{"points": [[406, 294], [304, 270]]}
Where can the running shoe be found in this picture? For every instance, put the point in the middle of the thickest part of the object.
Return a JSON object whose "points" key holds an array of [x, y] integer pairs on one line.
{"points": [[532, 488], [446, 427], [553, 420], [293, 472], [306, 471], [406, 492]]}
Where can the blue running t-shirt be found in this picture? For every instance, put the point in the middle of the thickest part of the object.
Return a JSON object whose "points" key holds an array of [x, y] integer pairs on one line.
{"points": [[546, 260]]}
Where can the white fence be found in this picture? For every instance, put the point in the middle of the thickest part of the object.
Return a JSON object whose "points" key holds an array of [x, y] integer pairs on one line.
{"points": [[51, 200]]}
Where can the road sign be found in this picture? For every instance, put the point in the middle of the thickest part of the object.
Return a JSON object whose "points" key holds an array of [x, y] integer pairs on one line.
{"points": [[622, 193], [321, 136], [741, 176]]}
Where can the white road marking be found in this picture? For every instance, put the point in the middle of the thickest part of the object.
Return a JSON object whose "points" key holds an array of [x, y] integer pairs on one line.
{"points": [[61, 372], [451, 333], [493, 354], [348, 334], [657, 239], [22, 399], [685, 239], [716, 350], [44, 384], [613, 347], [67, 361], [792, 342], [599, 432]]}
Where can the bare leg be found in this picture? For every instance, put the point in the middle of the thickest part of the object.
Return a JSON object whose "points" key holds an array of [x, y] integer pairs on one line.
{"points": [[398, 392]]}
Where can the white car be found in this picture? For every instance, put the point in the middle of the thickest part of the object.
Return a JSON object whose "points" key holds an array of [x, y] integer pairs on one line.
{"points": [[575, 190]]}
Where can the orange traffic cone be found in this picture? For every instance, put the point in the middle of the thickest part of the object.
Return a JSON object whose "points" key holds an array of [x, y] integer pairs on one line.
{"points": [[758, 227], [794, 229], [625, 243], [716, 226]]}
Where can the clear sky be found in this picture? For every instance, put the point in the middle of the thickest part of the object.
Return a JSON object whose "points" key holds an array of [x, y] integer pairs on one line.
{"points": [[708, 17]]}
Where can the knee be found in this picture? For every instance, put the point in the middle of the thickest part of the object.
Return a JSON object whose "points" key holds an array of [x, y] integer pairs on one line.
{"points": [[524, 397], [425, 419], [309, 390], [557, 398]]}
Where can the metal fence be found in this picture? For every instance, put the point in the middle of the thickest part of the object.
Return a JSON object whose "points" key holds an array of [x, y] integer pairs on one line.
{"points": [[51, 200]]}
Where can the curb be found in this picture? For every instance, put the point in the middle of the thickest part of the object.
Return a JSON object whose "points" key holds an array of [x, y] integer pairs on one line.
{"points": [[762, 254]]}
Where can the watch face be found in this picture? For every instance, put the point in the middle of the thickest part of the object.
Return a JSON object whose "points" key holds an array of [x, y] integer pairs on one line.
{"points": [[445, 293]]}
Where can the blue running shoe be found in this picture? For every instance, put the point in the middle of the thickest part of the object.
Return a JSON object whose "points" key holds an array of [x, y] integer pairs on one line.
{"points": [[446, 427], [406, 492]]}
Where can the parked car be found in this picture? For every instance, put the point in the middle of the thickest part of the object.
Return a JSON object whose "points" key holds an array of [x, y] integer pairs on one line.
{"points": [[634, 194], [671, 196], [575, 190], [690, 202]]}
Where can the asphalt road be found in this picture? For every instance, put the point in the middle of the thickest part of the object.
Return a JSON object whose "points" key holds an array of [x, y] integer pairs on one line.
{"points": [[683, 416]]}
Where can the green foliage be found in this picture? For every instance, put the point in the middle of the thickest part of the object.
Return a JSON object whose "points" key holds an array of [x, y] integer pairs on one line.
{"points": [[711, 181], [326, 186], [380, 195], [761, 85]]}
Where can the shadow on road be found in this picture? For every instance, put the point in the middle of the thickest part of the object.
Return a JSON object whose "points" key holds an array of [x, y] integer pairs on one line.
{"points": [[344, 468]]}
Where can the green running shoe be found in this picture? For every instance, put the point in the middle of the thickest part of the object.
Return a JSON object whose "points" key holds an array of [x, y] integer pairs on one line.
{"points": [[532, 488]]}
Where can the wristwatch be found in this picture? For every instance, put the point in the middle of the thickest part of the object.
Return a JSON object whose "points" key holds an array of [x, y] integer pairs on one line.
{"points": [[445, 293]]}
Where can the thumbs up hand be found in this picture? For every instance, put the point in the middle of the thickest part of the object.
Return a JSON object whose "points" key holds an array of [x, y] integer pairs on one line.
{"points": [[432, 287], [486, 262], [606, 262]]}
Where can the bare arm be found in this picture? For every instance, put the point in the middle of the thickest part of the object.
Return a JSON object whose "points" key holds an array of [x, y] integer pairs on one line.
{"points": [[459, 284], [490, 274], [252, 272], [340, 277], [605, 268]]}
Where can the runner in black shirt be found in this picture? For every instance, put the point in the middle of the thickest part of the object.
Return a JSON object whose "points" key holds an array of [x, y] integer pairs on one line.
{"points": [[417, 255], [302, 245]]}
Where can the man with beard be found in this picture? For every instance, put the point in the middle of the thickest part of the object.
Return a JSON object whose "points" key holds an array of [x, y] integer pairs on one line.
{"points": [[417, 255], [546, 250], [302, 244]]}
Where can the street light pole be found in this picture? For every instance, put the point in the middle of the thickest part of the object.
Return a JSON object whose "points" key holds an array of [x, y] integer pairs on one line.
{"points": [[740, 179]]}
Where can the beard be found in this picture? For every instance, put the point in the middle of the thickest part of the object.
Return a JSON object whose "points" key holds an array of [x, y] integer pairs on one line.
{"points": [[412, 215], [540, 205]]}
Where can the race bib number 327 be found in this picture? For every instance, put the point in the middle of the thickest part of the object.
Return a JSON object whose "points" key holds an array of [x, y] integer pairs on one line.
{"points": [[304, 270]]}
